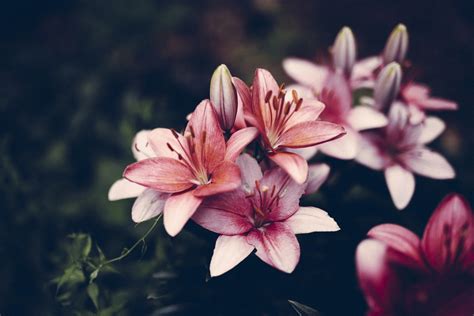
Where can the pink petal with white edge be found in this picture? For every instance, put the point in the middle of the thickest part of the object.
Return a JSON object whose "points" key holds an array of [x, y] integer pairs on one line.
{"points": [[401, 184], [124, 189], [311, 219], [402, 240], [226, 214], [141, 149], [250, 171], [293, 164], [148, 205], [309, 111], [225, 178], [376, 277], [345, 147], [317, 175], [371, 153], [306, 72], [263, 83], [162, 174], [238, 141], [308, 134], [276, 245], [178, 210], [432, 128], [364, 117], [229, 252], [448, 239], [428, 163]]}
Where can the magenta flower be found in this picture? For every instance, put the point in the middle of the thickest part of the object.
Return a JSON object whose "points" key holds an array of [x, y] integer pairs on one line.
{"points": [[401, 275], [334, 91], [399, 150], [285, 122], [264, 214], [181, 170], [417, 97]]}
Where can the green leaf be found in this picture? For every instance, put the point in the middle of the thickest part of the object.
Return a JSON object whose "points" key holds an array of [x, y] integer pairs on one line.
{"points": [[93, 292], [303, 310], [72, 275], [81, 246]]}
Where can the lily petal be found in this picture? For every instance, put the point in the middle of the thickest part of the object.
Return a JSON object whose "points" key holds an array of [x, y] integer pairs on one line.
{"points": [[225, 178], [308, 134], [141, 149], [238, 141], [364, 117], [161, 140], [263, 83], [162, 174], [293, 164], [401, 184], [317, 175], [243, 92], [226, 214], [124, 189], [437, 104], [289, 193], [276, 245], [310, 220], [309, 111], [306, 72], [345, 147], [209, 139], [250, 171], [148, 205], [402, 240], [448, 239], [371, 153], [428, 163], [178, 210], [377, 278], [229, 252], [306, 152], [432, 128]]}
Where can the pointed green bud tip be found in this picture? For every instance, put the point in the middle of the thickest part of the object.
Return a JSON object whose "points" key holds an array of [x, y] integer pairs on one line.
{"points": [[397, 45], [387, 86], [344, 51], [223, 97]]}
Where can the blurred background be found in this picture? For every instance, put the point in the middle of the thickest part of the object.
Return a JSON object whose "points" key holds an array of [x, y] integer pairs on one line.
{"points": [[79, 78]]}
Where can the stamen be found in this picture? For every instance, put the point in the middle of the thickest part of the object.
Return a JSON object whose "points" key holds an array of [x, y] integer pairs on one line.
{"points": [[295, 96], [191, 130], [175, 134], [169, 147], [298, 105], [268, 96]]}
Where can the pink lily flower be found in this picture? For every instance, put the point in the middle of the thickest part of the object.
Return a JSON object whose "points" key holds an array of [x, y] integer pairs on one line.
{"points": [[179, 171], [264, 214], [417, 97], [334, 91], [403, 275], [285, 123], [399, 150]]}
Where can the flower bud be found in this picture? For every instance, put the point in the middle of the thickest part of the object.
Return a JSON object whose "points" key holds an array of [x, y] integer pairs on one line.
{"points": [[397, 45], [387, 85], [224, 97], [344, 51]]}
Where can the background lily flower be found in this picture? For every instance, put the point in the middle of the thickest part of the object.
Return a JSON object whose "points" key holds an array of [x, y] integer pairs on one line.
{"points": [[264, 214], [336, 94], [401, 275], [399, 150], [187, 168], [287, 122]]}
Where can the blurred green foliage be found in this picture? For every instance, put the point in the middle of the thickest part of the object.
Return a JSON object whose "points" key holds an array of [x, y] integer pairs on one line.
{"points": [[79, 78]]}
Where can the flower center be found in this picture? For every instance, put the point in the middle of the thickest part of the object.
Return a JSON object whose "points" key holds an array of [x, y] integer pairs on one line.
{"points": [[278, 113]]}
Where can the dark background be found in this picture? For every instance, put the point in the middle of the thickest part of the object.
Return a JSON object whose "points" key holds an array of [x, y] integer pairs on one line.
{"points": [[79, 78]]}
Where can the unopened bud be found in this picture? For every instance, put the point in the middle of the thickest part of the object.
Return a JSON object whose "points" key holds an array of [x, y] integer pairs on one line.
{"points": [[387, 85], [397, 45], [344, 51], [224, 97]]}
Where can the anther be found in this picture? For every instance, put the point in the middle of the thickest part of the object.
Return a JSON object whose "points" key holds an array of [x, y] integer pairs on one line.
{"points": [[268, 96], [169, 147], [175, 134]]}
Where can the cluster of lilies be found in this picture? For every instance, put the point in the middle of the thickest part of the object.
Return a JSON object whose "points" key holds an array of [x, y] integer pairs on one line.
{"points": [[240, 168]]}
